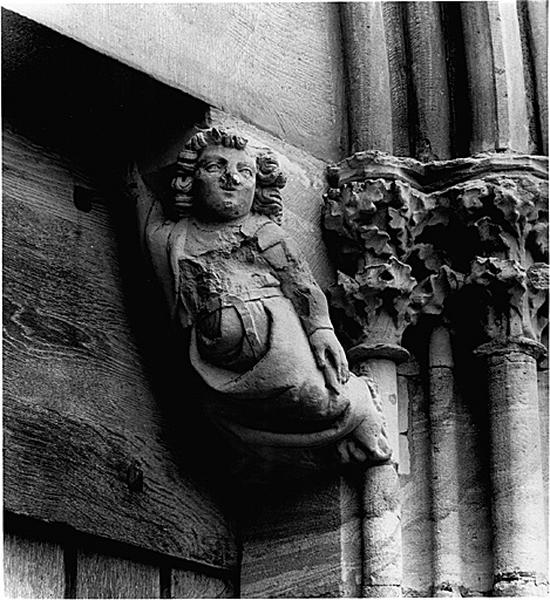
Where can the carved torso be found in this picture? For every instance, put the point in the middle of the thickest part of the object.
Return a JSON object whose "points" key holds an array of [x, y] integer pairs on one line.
{"points": [[223, 282], [260, 338]]}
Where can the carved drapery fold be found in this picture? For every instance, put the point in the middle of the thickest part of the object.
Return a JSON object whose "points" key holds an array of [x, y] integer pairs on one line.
{"points": [[464, 244]]}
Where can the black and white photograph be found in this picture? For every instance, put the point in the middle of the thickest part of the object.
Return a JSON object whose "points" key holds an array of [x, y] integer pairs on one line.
{"points": [[275, 299]]}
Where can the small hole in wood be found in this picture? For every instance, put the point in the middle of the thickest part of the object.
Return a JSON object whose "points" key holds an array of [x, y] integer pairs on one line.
{"points": [[134, 477], [83, 198]]}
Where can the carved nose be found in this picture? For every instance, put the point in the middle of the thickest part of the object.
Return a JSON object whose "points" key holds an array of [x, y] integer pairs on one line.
{"points": [[231, 178]]}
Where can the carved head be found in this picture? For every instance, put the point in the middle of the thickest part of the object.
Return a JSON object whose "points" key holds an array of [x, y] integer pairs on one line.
{"points": [[218, 177]]}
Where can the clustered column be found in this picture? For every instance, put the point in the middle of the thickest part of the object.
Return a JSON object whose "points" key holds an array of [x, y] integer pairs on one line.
{"points": [[462, 243]]}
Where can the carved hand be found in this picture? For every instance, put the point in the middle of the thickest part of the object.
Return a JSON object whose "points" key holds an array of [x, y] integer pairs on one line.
{"points": [[330, 358]]}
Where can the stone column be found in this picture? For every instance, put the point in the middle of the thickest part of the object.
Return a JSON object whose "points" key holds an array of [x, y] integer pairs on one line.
{"points": [[376, 358], [473, 233], [507, 290], [445, 486], [372, 297]]}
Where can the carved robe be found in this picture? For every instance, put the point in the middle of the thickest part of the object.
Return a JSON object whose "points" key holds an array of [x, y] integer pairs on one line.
{"points": [[252, 303]]}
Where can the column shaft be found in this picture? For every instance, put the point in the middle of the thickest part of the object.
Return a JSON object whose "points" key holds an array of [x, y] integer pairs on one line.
{"points": [[382, 571], [516, 472], [429, 75], [445, 486], [368, 76]]}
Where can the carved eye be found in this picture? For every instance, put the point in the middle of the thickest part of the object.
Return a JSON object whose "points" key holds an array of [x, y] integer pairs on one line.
{"points": [[247, 171], [212, 168]]}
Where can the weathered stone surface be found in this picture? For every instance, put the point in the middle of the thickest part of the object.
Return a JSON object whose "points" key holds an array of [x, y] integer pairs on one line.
{"points": [[260, 334], [302, 197], [445, 464], [399, 72], [538, 39], [368, 75], [472, 233], [465, 223], [498, 92], [380, 491], [544, 394], [520, 539], [351, 534], [416, 490], [292, 540], [382, 531], [429, 72], [272, 65]]}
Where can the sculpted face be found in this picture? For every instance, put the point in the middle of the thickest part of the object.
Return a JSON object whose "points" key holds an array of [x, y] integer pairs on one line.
{"points": [[225, 182]]}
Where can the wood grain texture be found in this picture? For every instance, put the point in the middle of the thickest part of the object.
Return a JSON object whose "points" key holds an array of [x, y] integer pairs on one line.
{"points": [[302, 195], [189, 584], [367, 68], [100, 576], [429, 73], [273, 65], [79, 410], [32, 568]]}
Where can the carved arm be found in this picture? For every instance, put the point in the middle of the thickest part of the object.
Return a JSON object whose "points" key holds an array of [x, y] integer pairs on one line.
{"points": [[311, 305]]}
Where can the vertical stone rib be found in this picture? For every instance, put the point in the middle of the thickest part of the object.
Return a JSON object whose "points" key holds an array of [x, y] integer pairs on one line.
{"points": [[537, 11], [511, 102], [445, 466], [529, 79], [429, 73], [516, 473], [397, 60], [368, 76], [481, 76]]}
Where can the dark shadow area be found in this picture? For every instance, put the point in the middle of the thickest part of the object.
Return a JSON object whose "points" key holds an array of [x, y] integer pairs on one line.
{"points": [[102, 115]]}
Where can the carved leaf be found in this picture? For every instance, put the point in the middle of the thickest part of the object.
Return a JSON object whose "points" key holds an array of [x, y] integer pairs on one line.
{"points": [[375, 240], [431, 259], [471, 196]]}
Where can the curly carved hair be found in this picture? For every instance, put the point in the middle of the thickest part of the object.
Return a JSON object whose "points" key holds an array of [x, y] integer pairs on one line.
{"points": [[269, 177]]}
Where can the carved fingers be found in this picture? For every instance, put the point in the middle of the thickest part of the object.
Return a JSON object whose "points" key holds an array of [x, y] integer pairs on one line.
{"points": [[330, 358]]}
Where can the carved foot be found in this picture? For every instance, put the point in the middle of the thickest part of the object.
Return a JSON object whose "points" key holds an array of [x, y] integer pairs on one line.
{"points": [[368, 442]]}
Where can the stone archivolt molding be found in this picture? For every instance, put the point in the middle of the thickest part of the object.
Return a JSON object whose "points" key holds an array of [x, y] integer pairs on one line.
{"points": [[414, 238]]}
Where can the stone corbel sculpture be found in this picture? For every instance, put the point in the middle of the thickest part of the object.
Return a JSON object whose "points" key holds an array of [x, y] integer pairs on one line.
{"points": [[261, 338]]}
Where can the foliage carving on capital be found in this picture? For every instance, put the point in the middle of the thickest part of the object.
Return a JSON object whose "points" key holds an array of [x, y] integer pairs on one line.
{"points": [[455, 223]]}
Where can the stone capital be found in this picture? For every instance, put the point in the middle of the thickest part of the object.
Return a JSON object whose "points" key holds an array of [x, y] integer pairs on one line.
{"points": [[470, 231]]}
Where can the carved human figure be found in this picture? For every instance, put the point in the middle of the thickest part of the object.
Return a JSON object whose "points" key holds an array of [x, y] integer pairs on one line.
{"points": [[261, 337]]}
